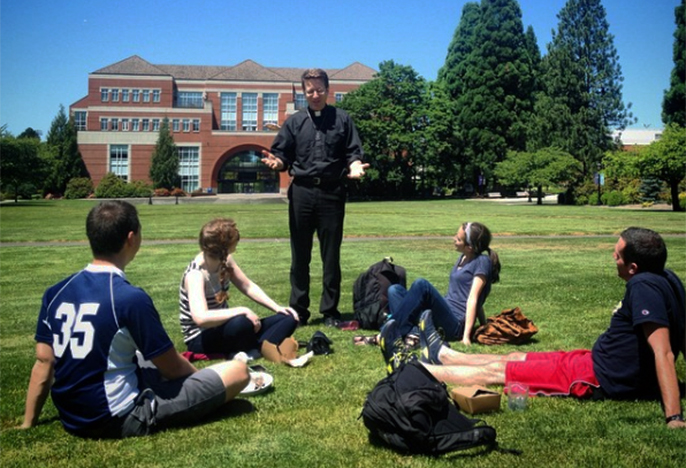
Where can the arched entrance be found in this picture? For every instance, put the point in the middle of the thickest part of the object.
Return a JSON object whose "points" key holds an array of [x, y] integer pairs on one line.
{"points": [[245, 173]]}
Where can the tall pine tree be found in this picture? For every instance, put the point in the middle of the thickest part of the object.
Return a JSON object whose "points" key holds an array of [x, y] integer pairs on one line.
{"points": [[674, 103], [62, 154], [582, 90], [497, 88]]}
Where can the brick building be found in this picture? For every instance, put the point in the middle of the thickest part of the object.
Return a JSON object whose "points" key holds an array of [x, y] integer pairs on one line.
{"points": [[221, 118]]}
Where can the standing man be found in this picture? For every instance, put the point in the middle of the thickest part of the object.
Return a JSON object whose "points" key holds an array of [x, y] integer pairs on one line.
{"points": [[96, 336], [320, 148], [633, 359]]}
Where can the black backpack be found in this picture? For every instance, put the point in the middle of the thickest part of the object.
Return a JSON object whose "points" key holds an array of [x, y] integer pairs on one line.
{"points": [[411, 411], [370, 292]]}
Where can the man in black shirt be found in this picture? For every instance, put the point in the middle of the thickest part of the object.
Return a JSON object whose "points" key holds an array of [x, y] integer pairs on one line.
{"points": [[320, 148]]}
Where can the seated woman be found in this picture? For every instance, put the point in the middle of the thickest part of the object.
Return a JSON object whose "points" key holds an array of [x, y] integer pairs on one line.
{"points": [[469, 286], [208, 324]]}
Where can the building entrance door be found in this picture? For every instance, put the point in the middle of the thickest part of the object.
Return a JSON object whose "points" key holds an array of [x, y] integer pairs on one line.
{"points": [[245, 173]]}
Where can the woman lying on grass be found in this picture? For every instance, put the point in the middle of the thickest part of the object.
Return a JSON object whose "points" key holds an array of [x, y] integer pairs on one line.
{"points": [[469, 285], [208, 324]]}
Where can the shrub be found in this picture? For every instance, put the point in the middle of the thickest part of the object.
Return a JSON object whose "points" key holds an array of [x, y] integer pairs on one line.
{"points": [[682, 200], [593, 198], [162, 192], [140, 189], [78, 187], [111, 186], [177, 192], [613, 198]]}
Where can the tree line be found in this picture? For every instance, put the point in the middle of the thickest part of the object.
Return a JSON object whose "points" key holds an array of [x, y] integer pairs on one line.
{"points": [[502, 117], [499, 117]]}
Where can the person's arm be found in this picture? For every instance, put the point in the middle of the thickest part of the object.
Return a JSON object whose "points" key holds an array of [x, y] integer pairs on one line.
{"points": [[39, 384], [251, 290], [658, 339], [202, 316], [478, 285], [172, 365]]}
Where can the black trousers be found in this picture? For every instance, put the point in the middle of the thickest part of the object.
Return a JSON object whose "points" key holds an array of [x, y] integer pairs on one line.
{"points": [[319, 209]]}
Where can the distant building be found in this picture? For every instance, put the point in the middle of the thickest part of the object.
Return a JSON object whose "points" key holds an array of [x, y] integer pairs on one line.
{"points": [[221, 118], [635, 138]]}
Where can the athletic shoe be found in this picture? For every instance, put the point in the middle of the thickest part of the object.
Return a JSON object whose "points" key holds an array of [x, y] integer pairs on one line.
{"points": [[392, 346], [430, 340]]}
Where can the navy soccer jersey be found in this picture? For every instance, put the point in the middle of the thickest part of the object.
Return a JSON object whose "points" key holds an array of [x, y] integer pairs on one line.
{"points": [[95, 320]]}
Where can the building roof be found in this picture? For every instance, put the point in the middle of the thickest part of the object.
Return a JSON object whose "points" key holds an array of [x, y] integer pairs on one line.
{"points": [[638, 136], [247, 70]]}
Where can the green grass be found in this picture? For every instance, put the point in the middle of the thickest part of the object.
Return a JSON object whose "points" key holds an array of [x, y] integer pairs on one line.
{"points": [[566, 285]]}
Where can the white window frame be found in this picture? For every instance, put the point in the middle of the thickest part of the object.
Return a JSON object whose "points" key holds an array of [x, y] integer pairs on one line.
{"points": [[118, 161], [249, 112], [229, 112]]}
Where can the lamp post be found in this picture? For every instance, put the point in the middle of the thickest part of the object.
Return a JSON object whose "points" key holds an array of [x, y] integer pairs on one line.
{"points": [[599, 177]]}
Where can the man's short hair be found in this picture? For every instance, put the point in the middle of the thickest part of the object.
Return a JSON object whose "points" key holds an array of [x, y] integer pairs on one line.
{"points": [[645, 248], [108, 225], [315, 74]]}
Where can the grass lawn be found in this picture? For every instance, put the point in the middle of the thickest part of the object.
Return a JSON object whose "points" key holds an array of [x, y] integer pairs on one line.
{"points": [[566, 283]]}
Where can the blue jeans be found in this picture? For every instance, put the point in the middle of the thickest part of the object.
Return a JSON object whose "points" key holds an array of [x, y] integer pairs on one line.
{"points": [[406, 306]]}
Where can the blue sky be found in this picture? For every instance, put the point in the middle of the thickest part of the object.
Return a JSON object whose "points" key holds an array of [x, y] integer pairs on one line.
{"points": [[48, 47]]}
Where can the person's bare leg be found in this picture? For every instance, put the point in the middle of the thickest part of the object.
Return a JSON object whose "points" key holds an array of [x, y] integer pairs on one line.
{"points": [[450, 357], [234, 375], [489, 374]]}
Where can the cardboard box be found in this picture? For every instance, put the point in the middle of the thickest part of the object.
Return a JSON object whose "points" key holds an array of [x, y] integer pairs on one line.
{"points": [[476, 399]]}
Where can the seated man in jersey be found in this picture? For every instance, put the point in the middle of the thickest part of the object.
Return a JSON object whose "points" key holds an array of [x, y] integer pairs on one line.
{"points": [[633, 359], [95, 330]]}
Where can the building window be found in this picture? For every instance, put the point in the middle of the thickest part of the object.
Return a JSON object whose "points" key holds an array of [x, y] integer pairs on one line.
{"points": [[186, 125], [300, 101], [155, 125], [134, 125], [228, 111], [270, 104], [124, 95], [339, 97], [104, 94], [136, 95], [249, 112], [146, 125], [115, 95], [124, 125], [189, 167], [155, 95], [80, 120], [196, 125], [189, 100], [119, 161], [103, 125], [146, 95], [176, 126], [115, 125]]}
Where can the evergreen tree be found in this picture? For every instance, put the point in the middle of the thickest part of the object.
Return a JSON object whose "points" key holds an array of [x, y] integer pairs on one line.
{"points": [[451, 74], [674, 103], [581, 82], [62, 154], [164, 167], [497, 88]]}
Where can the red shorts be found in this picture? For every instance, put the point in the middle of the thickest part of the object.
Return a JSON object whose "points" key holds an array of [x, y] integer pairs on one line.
{"points": [[555, 373]]}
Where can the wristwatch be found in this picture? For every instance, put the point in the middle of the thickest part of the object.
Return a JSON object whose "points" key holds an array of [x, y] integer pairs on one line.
{"points": [[675, 417]]}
